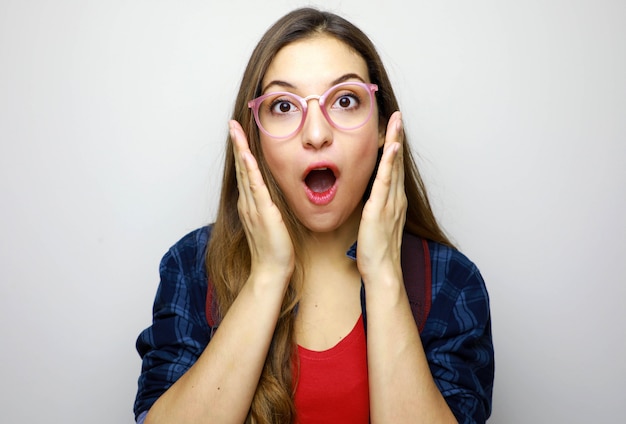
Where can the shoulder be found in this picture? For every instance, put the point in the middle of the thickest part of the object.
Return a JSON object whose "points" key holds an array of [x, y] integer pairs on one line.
{"points": [[452, 270], [189, 252], [179, 304], [459, 293], [183, 275]]}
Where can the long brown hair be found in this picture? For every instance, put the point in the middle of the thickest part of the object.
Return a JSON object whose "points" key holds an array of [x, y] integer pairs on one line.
{"points": [[228, 255]]}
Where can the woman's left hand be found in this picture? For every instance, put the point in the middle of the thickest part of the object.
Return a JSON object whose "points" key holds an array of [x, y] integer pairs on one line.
{"points": [[384, 214]]}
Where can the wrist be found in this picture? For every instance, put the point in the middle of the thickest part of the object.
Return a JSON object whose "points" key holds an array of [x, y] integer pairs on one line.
{"points": [[385, 275], [269, 279], [385, 287]]}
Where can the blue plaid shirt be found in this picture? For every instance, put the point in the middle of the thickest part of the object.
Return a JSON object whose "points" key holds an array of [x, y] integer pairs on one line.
{"points": [[456, 338]]}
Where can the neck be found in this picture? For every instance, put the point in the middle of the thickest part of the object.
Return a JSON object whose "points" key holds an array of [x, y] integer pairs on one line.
{"points": [[332, 244], [326, 265]]}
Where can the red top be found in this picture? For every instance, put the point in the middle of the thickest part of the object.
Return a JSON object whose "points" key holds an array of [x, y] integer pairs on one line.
{"points": [[332, 386]]}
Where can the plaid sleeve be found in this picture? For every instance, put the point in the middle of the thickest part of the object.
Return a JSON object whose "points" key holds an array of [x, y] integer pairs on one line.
{"points": [[457, 336], [179, 331]]}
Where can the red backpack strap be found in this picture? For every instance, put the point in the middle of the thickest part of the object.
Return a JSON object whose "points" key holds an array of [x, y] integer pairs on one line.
{"points": [[417, 276], [212, 317]]}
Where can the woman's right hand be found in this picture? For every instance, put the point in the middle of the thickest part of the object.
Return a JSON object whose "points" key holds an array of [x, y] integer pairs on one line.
{"points": [[271, 248]]}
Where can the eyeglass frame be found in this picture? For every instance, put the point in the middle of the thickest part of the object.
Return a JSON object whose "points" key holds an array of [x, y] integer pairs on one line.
{"points": [[255, 104]]}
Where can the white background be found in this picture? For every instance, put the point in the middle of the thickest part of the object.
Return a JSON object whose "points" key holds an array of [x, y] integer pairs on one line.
{"points": [[112, 123]]}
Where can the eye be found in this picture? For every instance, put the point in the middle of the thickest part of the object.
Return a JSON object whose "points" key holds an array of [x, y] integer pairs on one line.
{"points": [[282, 106], [346, 101]]}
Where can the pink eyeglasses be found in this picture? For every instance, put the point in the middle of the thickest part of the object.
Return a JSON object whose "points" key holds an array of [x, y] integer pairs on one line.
{"points": [[346, 106]]}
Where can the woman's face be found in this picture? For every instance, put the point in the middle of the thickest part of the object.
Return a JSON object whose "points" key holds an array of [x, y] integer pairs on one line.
{"points": [[322, 170]]}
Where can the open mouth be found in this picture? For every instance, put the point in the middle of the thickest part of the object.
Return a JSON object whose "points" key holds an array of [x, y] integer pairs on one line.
{"points": [[320, 180]]}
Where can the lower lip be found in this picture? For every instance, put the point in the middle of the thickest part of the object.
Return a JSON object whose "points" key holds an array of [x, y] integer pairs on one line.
{"points": [[322, 198]]}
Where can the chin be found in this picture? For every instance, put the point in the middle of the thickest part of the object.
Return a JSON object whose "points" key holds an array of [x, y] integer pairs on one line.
{"points": [[318, 227], [332, 223]]}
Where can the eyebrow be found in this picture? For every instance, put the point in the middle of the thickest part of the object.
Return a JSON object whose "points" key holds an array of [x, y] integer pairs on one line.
{"points": [[285, 84]]}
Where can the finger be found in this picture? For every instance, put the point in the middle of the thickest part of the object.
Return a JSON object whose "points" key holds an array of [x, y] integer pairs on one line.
{"points": [[387, 175], [257, 188], [397, 178], [396, 196], [395, 137], [251, 177], [382, 182], [240, 145]]}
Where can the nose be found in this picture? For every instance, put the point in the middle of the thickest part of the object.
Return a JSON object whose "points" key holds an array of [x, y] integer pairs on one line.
{"points": [[316, 131]]}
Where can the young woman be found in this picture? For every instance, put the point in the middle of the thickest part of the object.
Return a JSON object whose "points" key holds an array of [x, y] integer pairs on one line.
{"points": [[317, 166]]}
